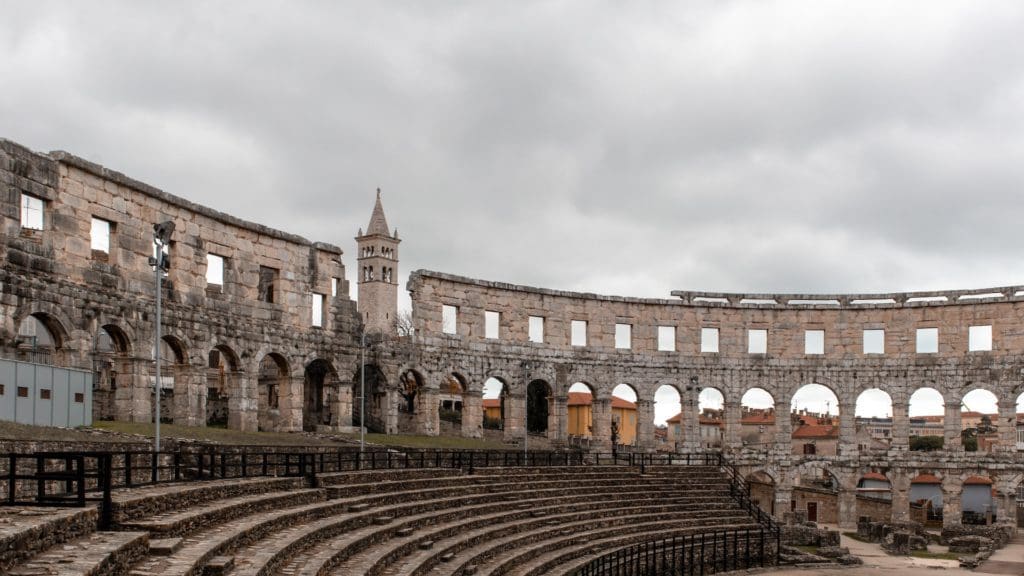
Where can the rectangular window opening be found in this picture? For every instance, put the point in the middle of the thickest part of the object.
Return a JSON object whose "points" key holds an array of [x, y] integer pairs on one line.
{"points": [[22, 391], [492, 322], [99, 235], [267, 287], [874, 341], [757, 341], [979, 338], [537, 329], [666, 338], [579, 332], [927, 340], [709, 340], [79, 398], [334, 287], [814, 342], [623, 336], [44, 393], [214, 270], [449, 318], [31, 212], [318, 310]]}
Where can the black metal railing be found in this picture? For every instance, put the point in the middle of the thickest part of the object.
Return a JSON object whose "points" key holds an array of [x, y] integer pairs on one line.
{"points": [[688, 555], [82, 478]]}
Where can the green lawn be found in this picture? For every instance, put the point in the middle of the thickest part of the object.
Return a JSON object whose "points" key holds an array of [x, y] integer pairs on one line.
{"points": [[410, 441], [218, 435], [934, 555]]}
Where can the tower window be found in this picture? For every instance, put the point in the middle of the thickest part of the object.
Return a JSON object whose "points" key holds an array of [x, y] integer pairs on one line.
{"points": [[449, 319]]}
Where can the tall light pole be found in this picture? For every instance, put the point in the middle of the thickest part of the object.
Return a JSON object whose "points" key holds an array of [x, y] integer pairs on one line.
{"points": [[362, 391], [160, 262]]}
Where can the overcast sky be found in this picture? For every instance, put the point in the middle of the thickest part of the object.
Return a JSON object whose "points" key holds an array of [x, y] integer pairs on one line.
{"points": [[623, 148]]}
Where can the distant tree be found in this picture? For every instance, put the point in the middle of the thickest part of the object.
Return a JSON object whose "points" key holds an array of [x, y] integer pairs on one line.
{"points": [[986, 426], [926, 443], [969, 439], [403, 324]]}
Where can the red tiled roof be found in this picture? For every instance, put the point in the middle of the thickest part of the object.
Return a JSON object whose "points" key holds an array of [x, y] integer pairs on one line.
{"points": [[677, 418], [586, 399], [491, 402], [758, 418], [622, 403], [704, 420], [875, 476], [977, 481], [926, 479], [816, 431]]}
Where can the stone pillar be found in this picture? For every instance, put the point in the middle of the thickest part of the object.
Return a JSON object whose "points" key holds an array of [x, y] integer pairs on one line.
{"points": [[847, 508], [952, 426], [645, 424], [848, 447], [290, 401], [783, 429], [783, 497], [900, 434], [189, 394], [951, 494], [558, 415], [391, 400], [690, 421], [1006, 426], [472, 415], [601, 423], [243, 402], [732, 416], [341, 412], [515, 417], [900, 488], [428, 420], [133, 396]]}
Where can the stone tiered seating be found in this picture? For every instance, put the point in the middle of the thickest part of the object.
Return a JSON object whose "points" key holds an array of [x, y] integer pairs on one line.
{"points": [[523, 521]]}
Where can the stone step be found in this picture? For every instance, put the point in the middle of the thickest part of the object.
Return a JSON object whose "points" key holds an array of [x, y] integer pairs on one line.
{"points": [[219, 566], [164, 546], [98, 554]]}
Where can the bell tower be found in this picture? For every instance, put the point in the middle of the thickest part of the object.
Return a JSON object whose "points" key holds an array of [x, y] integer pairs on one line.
{"points": [[378, 273]]}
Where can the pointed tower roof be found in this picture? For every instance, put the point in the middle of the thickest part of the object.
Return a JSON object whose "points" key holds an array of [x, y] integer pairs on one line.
{"points": [[378, 223]]}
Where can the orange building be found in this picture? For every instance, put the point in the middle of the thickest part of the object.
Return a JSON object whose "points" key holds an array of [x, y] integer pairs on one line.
{"points": [[581, 416]]}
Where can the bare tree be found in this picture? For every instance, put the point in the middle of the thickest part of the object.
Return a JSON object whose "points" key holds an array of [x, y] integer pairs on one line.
{"points": [[403, 323]]}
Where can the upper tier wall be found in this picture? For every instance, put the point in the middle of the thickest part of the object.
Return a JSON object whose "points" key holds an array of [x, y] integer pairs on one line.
{"points": [[843, 318]]}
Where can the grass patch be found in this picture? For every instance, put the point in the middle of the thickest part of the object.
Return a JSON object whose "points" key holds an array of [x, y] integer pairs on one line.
{"points": [[28, 433], [212, 434], [855, 536], [447, 442], [934, 555], [807, 549]]}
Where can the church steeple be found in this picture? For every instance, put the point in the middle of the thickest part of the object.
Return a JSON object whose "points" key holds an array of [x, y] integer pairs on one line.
{"points": [[378, 272]]}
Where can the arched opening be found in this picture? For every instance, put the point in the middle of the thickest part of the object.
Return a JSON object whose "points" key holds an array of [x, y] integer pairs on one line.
{"points": [[319, 388], [668, 415], [874, 497], [371, 379], [926, 499], [580, 413], [623, 420], [40, 337], [111, 360], [172, 361], [538, 406], [272, 380], [761, 486], [221, 383], [926, 411], [1020, 501], [979, 416], [874, 424], [711, 405], [450, 400], [814, 412], [757, 419], [977, 505], [493, 402], [410, 384], [816, 492]]}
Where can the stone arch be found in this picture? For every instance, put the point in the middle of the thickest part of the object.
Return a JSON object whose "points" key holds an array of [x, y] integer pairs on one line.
{"points": [[113, 367], [272, 383], [319, 395], [623, 418], [668, 417], [539, 407], [761, 489], [926, 410], [977, 503], [874, 496], [926, 497], [222, 382], [579, 406], [757, 417], [372, 379], [874, 423], [494, 394], [979, 419], [451, 398], [42, 338], [818, 491]]}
